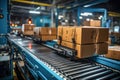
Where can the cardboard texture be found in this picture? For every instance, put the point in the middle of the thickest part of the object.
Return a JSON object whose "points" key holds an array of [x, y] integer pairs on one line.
{"points": [[85, 35], [95, 23], [52, 31], [60, 31], [102, 35], [28, 33], [68, 44], [102, 48], [84, 51], [44, 30], [65, 33], [114, 53], [26, 27]]}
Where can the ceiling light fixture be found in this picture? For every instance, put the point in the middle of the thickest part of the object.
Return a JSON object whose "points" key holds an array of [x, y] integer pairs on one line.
{"points": [[34, 12]]}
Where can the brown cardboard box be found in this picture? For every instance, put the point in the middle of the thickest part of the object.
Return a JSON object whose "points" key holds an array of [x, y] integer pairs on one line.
{"points": [[65, 33], [102, 35], [52, 37], [114, 54], [84, 51], [102, 48], [68, 44], [95, 23], [44, 38], [27, 27], [86, 23], [29, 33], [85, 35]]}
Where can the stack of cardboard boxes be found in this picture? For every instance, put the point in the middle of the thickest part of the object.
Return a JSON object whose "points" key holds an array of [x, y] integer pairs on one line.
{"points": [[45, 33], [113, 52], [28, 29], [86, 40]]}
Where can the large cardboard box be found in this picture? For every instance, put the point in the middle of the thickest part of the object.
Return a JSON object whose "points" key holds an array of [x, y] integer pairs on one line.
{"points": [[26, 27], [85, 35], [102, 35], [102, 48], [68, 44], [84, 51], [52, 37], [86, 23]]}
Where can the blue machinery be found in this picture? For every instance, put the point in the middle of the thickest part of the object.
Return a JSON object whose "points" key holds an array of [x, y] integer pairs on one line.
{"points": [[38, 65]]}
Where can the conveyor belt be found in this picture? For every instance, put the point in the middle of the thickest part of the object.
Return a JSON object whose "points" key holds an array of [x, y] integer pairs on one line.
{"points": [[80, 70]]}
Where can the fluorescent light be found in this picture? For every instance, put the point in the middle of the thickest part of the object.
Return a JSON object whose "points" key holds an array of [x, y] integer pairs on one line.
{"points": [[87, 19], [86, 14], [34, 12], [38, 8], [81, 17], [60, 16], [66, 20], [86, 5]]}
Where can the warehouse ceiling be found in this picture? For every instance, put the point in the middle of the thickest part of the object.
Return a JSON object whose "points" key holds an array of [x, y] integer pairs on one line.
{"points": [[22, 7]]}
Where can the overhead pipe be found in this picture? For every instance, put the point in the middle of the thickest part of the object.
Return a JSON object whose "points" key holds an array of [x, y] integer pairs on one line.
{"points": [[32, 2]]}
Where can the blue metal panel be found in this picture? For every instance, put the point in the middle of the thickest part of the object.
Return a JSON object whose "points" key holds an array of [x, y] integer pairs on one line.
{"points": [[78, 16], [3, 21], [107, 62]]}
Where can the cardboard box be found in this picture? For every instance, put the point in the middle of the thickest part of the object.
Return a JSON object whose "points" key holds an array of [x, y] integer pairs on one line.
{"points": [[27, 27], [95, 23], [85, 35], [28, 33], [52, 37], [86, 23], [68, 44], [102, 48], [102, 35], [113, 54], [84, 51]]}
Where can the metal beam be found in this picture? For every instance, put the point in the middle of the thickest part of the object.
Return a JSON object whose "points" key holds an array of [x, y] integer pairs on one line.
{"points": [[32, 2]]}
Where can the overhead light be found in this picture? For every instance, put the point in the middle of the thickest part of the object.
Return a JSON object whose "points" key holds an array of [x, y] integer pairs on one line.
{"points": [[34, 12], [86, 5], [37, 8], [86, 14], [66, 20], [81, 17], [100, 17], [87, 19], [60, 16], [41, 20], [73, 20]]}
